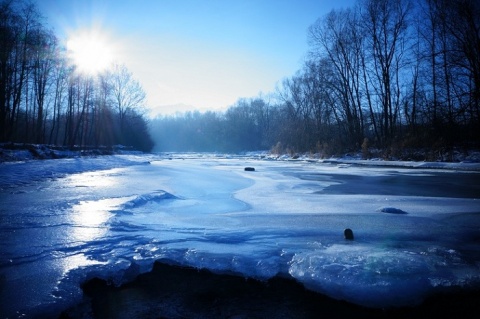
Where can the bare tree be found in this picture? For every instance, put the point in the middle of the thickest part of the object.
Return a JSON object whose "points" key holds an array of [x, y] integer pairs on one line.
{"points": [[7, 21], [338, 38], [462, 20], [127, 93], [44, 62], [385, 24], [60, 82]]}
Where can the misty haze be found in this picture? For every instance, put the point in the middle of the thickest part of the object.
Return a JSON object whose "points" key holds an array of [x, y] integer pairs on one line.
{"points": [[219, 159]]}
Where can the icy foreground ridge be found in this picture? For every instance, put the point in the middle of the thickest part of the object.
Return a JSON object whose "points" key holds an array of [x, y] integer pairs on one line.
{"points": [[66, 220]]}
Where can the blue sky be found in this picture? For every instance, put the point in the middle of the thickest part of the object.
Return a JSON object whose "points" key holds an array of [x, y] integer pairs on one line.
{"points": [[191, 54]]}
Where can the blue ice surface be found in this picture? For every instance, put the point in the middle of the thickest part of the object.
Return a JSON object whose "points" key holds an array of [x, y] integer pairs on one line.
{"points": [[64, 221]]}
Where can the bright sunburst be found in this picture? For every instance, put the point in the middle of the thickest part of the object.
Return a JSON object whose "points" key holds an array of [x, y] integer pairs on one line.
{"points": [[90, 51]]}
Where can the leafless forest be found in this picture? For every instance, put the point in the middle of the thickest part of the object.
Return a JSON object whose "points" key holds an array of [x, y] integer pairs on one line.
{"points": [[45, 100], [394, 75], [385, 74]]}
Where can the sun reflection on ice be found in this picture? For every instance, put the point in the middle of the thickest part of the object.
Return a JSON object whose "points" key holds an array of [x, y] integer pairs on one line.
{"points": [[99, 179], [90, 218], [88, 222], [68, 263]]}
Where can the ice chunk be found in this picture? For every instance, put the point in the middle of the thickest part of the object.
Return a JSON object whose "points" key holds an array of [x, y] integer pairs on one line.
{"points": [[148, 198]]}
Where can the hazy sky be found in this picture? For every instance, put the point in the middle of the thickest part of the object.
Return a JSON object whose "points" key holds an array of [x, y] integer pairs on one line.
{"points": [[197, 54]]}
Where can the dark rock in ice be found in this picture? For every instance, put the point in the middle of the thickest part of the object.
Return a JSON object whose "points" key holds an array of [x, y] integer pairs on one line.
{"points": [[348, 233], [131, 272], [95, 286], [249, 169], [392, 210]]}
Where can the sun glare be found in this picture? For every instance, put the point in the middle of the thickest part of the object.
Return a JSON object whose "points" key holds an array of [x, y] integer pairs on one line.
{"points": [[90, 51]]}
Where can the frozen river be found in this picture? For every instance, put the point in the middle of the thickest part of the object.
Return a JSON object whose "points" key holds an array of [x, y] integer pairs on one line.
{"points": [[62, 221]]}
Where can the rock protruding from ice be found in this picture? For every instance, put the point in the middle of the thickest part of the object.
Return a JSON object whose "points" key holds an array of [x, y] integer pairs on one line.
{"points": [[392, 210], [348, 233], [250, 169]]}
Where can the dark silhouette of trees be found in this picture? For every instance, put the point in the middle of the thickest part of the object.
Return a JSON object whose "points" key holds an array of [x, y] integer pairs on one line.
{"points": [[43, 99], [385, 24], [396, 72], [390, 74], [339, 46]]}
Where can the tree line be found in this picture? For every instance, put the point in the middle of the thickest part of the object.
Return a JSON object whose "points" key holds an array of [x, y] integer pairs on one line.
{"points": [[242, 127], [390, 74], [44, 99]]}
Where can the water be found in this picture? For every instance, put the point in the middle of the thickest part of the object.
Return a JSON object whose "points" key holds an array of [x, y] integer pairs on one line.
{"points": [[63, 221]]}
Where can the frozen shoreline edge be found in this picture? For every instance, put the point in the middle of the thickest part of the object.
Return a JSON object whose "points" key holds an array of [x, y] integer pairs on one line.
{"points": [[170, 290], [15, 152]]}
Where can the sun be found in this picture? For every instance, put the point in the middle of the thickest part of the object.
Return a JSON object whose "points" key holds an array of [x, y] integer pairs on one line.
{"points": [[90, 51]]}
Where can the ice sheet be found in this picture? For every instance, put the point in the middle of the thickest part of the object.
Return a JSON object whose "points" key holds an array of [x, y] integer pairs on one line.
{"points": [[100, 216]]}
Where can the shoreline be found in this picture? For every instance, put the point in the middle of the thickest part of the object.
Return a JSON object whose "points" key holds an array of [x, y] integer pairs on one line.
{"points": [[12, 152], [174, 291]]}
